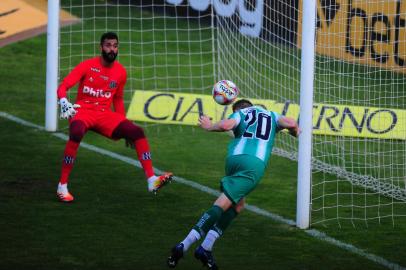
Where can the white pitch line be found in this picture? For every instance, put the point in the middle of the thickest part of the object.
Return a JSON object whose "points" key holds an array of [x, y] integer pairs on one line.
{"points": [[314, 233]]}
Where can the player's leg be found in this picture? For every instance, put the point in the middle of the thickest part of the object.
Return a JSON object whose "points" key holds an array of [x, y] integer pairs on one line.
{"points": [[128, 130], [243, 175], [206, 221], [204, 252], [206, 228], [235, 186], [77, 130], [221, 225]]}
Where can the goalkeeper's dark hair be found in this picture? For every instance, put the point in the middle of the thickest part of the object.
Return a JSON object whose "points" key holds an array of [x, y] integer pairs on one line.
{"points": [[108, 35], [241, 104]]}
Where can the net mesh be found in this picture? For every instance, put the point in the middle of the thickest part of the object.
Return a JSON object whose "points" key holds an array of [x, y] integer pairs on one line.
{"points": [[359, 151]]}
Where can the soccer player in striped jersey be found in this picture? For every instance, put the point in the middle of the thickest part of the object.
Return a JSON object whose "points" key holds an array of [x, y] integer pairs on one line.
{"points": [[101, 83], [254, 131]]}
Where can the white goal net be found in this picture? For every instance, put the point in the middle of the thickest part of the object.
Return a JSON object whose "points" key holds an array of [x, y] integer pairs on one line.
{"points": [[360, 93], [164, 47], [359, 115], [182, 47]]}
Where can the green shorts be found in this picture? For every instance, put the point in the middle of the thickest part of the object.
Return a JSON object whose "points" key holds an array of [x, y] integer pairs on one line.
{"points": [[243, 173]]}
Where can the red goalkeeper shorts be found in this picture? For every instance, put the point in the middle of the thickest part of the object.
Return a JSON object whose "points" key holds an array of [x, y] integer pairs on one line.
{"points": [[103, 122]]}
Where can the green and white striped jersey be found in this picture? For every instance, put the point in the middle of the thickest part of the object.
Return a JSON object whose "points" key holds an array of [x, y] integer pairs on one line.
{"points": [[255, 133]]}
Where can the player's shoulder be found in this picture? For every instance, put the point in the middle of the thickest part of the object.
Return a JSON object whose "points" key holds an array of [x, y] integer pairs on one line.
{"points": [[119, 68], [91, 61], [118, 65]]}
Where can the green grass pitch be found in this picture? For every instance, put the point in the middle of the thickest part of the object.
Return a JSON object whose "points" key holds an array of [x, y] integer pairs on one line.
{"points": [[116, 224]]}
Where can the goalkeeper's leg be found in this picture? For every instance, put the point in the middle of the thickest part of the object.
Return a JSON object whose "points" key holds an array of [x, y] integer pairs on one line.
{"points": [[77, 130], [135, 134]]}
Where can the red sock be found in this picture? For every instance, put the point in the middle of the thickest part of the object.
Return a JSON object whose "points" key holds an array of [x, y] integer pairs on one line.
{"points": [[69, 157], [144, 156]]}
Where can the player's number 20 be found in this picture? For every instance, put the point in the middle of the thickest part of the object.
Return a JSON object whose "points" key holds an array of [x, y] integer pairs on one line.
{"points": [[264, 125]]}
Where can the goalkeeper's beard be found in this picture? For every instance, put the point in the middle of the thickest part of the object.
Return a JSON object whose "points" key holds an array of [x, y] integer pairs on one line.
{"points": [[109, 57]]}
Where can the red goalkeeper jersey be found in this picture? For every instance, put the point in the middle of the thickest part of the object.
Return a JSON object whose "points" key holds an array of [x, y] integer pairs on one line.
{"points": [[99, 86]]}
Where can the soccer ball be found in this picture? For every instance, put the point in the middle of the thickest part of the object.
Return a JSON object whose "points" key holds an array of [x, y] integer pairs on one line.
{"points": [[225, 92]]}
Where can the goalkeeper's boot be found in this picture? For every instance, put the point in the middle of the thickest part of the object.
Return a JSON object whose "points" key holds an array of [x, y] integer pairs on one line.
{"points": [[206, 257], [63, 194], [176, 255], [156, 183]]}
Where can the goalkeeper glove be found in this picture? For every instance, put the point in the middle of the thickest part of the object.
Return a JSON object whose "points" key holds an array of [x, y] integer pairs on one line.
{"points": [[67, 109]]}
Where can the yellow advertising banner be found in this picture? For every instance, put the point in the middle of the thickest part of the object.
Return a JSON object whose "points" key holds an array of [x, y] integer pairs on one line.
{"points": [[328, 119], [371, 32]]}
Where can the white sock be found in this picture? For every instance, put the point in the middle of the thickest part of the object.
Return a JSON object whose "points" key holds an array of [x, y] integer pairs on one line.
{"points": [[192, 237], [208, 242], [62, 188], [152, 179]]}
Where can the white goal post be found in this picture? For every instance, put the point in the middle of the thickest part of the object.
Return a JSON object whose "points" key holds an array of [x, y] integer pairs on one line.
{"points": [[306, 115], [51, 119]]}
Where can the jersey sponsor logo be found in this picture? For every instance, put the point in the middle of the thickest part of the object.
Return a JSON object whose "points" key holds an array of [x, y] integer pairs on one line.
{"points": [[113, 84], [95, 69], [96, 93]]}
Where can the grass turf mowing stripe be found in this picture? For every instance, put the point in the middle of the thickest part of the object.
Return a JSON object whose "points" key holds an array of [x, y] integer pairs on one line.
{"points": [[314, 233]]}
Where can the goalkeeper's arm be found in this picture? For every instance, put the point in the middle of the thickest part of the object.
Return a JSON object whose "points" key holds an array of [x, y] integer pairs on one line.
{"points": [[68, 109]]}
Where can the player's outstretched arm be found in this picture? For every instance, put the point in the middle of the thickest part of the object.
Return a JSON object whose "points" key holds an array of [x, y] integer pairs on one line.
{"points": [[223, 125], [290, 124]]}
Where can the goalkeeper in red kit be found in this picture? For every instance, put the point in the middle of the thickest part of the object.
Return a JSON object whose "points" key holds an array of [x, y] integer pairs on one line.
{"points": [[101, 82]]}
